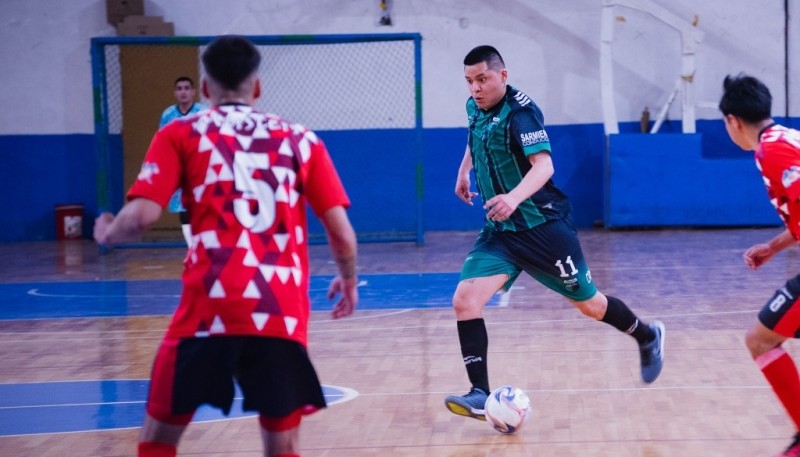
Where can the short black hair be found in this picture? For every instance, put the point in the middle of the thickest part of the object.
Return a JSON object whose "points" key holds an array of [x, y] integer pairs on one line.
{"points": [[485, 53], [746, 98], [230, 59], [184, 78]]}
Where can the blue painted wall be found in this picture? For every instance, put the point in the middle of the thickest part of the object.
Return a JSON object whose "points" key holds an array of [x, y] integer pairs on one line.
{"points": [[672, 179], [665, 180], [38, 173], [378, 168]]}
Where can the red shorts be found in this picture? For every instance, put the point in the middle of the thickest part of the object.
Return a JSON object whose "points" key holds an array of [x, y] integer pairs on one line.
{"points": [[275, 374], [781, 313]]}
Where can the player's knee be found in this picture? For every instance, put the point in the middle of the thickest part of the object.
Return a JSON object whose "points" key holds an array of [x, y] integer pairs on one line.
{"points": [[166, 428], [593, 312], [281, 424], [280, 434], [590, 308], [465, 305], [756, 344]]}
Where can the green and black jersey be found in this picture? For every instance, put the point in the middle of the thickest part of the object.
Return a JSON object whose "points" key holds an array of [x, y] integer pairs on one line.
{"points": [[500, 141]]}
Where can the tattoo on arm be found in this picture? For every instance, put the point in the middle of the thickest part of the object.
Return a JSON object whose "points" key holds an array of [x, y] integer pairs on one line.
{"points": [[347, 266]]}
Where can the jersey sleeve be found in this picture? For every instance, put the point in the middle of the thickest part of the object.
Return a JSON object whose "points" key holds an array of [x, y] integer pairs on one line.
{"points": [[781, 168], [790, 173], [165, 118], [470, 108], [527, 129], [323, 188], [160, 173], [793, 191]]}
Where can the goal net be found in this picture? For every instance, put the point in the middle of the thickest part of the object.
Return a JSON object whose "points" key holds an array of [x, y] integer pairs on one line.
{"points": [[360, 93]]}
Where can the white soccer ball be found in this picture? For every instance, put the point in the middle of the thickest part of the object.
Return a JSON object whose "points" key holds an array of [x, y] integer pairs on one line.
{"points": [[507, 408]]}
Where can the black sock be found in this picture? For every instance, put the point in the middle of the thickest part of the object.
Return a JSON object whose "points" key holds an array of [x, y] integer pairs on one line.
{"points": [[474, 346], [619, 316]]}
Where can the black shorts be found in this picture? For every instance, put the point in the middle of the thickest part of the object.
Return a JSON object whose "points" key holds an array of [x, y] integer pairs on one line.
{"points": [[550, 253], [781, 313], [275, 374]]}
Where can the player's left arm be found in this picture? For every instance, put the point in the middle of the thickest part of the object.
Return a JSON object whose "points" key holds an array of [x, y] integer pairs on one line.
{"points": [[329, 201], [135, 218], [776, 172], [343, 246], [501, 206], [760, 253]]}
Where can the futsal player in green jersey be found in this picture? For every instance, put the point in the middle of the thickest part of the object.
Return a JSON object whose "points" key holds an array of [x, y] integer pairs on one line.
{"points": [[528, 227]]}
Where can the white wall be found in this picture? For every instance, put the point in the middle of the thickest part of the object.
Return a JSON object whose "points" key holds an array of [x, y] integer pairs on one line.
{"points": [[550, 46]]}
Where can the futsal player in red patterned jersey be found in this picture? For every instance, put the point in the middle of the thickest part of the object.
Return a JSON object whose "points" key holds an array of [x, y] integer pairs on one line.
{"points": [[244, 308], [746, 108]]}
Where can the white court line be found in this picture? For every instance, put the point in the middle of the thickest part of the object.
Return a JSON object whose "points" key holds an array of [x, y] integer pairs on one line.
{"points": [[577, 319], [69, 405], [36, 293], [347, 395], [393, 313], [350, 394], [589, 390]]}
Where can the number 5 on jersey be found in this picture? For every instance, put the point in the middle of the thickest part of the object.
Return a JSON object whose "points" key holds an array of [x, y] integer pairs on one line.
{"points": [[244, 166]]}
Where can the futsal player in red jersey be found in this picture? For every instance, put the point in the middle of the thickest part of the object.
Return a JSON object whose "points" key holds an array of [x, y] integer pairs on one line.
{"points": [[244, 308], [746, 107]]}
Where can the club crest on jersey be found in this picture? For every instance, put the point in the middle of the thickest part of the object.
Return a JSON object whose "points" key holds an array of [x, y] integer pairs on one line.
{"points": [[790, 176], [148, 170], [530, 138]]}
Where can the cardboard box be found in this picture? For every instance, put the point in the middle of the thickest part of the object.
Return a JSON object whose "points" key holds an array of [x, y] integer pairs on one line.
{"points": [[146, 29], [138, 19], [116, 10], [138, 25]]}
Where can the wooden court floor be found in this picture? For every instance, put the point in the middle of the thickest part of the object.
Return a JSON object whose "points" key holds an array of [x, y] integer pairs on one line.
{"points": [[403, 358]]}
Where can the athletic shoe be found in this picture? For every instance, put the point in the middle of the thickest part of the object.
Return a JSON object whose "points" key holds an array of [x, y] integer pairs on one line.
{"points": [[470, 405], [793, 450], [652, 353]]}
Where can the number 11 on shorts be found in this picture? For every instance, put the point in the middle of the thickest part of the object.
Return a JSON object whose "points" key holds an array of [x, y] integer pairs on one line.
{"points": [[573, 271]]}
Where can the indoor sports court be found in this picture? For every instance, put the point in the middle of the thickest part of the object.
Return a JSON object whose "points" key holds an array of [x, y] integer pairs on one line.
{"points": [[665, 202], [79, 332]]}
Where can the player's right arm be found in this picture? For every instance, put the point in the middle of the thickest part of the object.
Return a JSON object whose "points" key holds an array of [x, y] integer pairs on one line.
{"points": [[148, 195], [759, 254], [463, 181], [135, 218]]}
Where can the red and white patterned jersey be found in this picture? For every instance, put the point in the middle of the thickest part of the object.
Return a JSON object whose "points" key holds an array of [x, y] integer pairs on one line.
{"points": [[246, 177], [778, 159]]}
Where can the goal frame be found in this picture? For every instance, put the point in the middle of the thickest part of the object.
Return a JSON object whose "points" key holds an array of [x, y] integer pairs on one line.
{"points": [[107, 196]]}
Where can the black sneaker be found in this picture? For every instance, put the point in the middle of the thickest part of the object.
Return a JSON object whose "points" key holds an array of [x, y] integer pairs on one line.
{"points": [[470, 405], [793, 450], [652, 354]]}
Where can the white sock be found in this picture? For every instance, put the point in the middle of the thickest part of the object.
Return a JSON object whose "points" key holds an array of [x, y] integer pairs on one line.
{"points": [[187, 234]]}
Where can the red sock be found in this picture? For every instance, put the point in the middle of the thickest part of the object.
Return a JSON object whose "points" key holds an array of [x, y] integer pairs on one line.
{"points": [[781, 373], [155, 449]]}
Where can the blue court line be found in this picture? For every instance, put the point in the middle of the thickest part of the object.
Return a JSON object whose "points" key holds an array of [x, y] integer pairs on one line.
{"points": [[51, 300], [76, 406]]}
